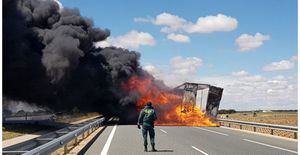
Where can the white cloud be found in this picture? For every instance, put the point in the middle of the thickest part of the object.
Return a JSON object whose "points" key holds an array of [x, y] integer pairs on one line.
{"points": [[186, 66], [151, 69], [256, 92], [240, 73], [168, 75], [281, 65], [180, 69], [294, 58], [279, 77], [254, 78], [103, 44], [178, 38], [171, 22], [248, 42], [207, 24], [131, 40]]}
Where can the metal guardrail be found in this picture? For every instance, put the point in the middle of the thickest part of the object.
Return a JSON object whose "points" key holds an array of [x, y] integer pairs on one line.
{"points": [[29, 117], [255, 125], [48, 143]]}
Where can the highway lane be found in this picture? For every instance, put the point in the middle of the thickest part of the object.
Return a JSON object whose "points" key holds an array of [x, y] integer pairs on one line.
{"points": [[127, 139]]}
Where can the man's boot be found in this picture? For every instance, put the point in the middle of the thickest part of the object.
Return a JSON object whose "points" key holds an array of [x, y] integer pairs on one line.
{"points": [[145, 148], [153, 148]]}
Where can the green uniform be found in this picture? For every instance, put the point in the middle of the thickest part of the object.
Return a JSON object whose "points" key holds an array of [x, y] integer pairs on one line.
{"points": [[146, 119]]}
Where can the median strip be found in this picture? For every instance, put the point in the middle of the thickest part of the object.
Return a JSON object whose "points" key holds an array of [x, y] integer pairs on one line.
{"points": [[212, 131], [276, 147], [199, 150]]}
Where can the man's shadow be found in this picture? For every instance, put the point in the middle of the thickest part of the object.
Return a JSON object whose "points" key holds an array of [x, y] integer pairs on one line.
{"points": [[162, 150]]}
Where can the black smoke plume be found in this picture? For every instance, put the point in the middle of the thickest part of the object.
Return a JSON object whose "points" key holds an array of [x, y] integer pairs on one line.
{"points": [[49, 59]]}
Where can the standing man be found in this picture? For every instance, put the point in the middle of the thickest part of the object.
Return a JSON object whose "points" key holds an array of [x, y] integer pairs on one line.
{"points": [[146, 119]]}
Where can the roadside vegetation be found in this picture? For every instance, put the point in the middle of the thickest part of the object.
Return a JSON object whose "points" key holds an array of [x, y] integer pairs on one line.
{"points": [[271, 117], [74, 116]]}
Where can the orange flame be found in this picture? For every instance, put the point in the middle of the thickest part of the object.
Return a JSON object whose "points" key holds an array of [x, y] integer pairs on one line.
{"points": [[168, 105]]}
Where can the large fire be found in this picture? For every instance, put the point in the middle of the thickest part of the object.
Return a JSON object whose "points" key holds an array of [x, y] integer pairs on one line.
{"points": [[168, 105]]}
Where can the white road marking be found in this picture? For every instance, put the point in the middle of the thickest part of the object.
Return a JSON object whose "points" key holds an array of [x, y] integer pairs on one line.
{"points": [[276, 147], [163, 131], [199, 150], [107, 144], [212, 131]]}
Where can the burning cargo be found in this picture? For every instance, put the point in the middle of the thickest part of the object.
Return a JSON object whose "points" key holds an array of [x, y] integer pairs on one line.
{"points": [[204, 96]]}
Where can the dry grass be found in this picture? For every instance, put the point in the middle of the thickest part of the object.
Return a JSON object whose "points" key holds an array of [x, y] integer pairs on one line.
{"points": [[69, 118], [281, 118], [14, 130]]}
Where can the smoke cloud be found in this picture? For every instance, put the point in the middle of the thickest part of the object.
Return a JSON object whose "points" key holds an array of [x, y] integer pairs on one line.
{"points": [[49, 59], [11, 106]]}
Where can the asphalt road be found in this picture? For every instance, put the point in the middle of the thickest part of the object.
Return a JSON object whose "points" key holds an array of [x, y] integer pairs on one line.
{"points": [[127, 140]]}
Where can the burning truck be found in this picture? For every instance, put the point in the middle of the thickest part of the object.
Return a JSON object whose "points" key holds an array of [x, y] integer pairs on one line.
{"points": [[189, 104], [204, 96]]}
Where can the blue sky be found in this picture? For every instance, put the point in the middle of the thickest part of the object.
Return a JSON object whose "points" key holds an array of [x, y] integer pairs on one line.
{"points": [[213, 57]]}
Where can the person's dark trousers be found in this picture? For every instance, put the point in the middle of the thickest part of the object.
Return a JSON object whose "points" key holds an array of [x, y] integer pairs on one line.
{"points": [[145, 131]]}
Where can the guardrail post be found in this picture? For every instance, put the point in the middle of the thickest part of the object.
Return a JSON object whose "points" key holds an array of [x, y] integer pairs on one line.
{"points": [[272, 131], [295, 135], [254, 128], [65, 149], [228, 124], [240, 126], [76, 140]]}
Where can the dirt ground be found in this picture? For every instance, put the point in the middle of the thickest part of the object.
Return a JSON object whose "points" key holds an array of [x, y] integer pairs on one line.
{"points": [[282, 118]]}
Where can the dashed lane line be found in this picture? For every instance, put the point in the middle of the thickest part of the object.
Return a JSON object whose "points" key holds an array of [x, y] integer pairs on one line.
{"points": [[199, 150], [163, 131]]}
